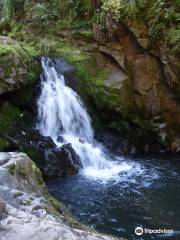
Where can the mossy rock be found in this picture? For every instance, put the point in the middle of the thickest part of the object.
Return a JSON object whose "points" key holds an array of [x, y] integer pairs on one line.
{"points": [[27, 172], [18, 65]]}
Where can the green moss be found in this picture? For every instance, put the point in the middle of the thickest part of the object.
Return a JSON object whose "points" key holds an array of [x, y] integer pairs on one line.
{"points": [[55, 202], [27, 203], [11, 168], [84, 35], [54, 46], [38, 174], [64, 24], [110, 98], [25, 54], [61, 208], [173, 38], [72, 221], [18, 194], [71, 53], [22, 172], [6, 49], [21, 50]]}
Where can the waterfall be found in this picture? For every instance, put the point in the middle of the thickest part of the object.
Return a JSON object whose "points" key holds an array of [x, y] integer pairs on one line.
{"points": [[61, 112]]}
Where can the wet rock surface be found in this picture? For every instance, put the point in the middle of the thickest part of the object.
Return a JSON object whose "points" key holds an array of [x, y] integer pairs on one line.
{"points": [[67, 70], [61, 162]]}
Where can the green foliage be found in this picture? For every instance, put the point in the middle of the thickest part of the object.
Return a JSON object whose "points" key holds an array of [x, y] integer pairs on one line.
{"points": [[9, 116], [173, 38], [77, 9], [81, 25], [120, 8], [162, 17], [45, 13], [40, 13], [11, 9], [56, 204], [113, 7], [6, 10]]}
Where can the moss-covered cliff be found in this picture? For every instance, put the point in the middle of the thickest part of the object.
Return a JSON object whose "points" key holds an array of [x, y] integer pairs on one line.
{"points": [[125, 55]]}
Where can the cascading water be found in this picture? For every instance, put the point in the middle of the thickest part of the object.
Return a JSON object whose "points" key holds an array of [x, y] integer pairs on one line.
{"points": [[62, 113]]}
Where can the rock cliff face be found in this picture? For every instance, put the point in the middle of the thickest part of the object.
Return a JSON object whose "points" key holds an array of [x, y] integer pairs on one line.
{"points": [[141, 90], [26, 210]]}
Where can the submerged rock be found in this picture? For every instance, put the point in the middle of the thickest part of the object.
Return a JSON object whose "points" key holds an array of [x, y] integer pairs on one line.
{"points": [[27, 212]]}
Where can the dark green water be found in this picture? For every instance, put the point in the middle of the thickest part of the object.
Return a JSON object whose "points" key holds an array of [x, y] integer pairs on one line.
{"points": [[148, 197]]}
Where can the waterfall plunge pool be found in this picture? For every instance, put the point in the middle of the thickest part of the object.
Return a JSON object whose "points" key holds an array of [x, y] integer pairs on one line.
{"points": [[148, 196], [113, 194]]}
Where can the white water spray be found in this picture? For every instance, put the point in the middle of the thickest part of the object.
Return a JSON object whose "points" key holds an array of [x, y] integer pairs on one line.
{"points": [[62, 113]]}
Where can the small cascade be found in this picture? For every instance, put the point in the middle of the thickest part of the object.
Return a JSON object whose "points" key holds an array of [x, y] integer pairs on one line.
{"points": [[62, 114]]}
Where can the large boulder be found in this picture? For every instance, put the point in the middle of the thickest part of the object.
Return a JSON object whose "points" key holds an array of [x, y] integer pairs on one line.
{"points": [[61, 162], [22, 186], [18, 66], [54, 162], [27, 211], [17, 171]]}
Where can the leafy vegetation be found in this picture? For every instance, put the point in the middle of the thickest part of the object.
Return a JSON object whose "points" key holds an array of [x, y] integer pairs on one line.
{"points": [[11, 10], [161, 17], [65, 11], [8, 117]]}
